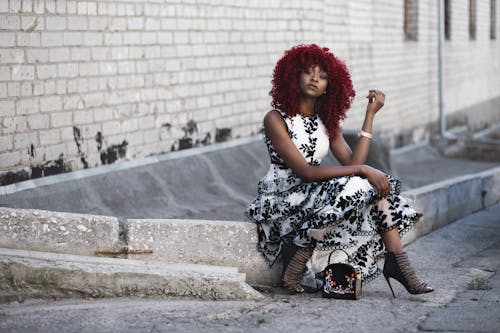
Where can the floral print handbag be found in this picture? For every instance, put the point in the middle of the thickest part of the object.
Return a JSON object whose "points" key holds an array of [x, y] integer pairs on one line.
{"points": [[342, 280]]}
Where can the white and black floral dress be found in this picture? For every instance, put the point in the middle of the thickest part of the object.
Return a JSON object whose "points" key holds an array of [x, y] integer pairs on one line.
{"points": [[288, 209]]}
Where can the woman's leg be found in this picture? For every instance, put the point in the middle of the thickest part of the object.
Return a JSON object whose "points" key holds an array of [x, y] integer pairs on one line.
{"points": [[396, 264], [392, 240]]}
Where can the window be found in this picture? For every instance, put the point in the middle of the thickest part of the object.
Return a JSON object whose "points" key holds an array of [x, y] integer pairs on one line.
{"points": [[493, 19], [411, 19], [472, 19], [447, 19]]}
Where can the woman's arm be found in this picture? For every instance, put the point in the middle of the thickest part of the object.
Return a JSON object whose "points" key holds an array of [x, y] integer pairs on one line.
{"points": [[341, 150], [277, 132]]}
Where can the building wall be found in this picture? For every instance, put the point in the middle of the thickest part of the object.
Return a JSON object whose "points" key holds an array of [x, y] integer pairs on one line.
{"points": [[85, 83]]}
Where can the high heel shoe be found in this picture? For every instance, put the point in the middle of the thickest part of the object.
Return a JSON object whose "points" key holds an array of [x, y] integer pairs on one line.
{"points": [[397, 266], [294, 261]]}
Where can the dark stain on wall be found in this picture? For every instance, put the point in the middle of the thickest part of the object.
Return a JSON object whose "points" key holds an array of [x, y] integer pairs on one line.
{"points": [[79, 142], [11, 177], [185, 143], [206, 140], [31, 151], [50, 168], [191, 128], [111, 153], [222, 134]]}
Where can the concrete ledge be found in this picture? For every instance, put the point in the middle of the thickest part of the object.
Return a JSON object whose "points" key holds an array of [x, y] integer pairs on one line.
{"points": [[48, 274], [207, 242], [491, 186], [40, 230]]}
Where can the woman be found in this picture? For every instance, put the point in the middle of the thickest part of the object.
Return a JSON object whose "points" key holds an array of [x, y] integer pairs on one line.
{"points": [[302, 205]]}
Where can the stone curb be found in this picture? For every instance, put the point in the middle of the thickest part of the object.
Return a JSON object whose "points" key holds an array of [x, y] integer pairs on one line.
{"points": [[224, 243], [49, 274], [40, 230]]}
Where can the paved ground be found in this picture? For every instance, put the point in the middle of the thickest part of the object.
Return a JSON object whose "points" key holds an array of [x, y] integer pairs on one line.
{"points": [[465, 252]]}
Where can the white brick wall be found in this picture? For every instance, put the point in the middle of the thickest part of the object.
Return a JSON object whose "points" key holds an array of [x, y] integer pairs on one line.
{"points": [[140, 70]]}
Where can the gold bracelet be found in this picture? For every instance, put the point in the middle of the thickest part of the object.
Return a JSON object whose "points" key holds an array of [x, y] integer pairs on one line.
{"points": [[365, 134]]}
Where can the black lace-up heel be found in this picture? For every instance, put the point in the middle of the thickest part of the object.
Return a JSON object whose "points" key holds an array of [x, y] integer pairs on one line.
{"points": [[294, 261], [397, 266]]}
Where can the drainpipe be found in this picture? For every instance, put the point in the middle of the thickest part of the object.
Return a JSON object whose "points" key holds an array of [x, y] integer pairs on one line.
{"points": [[441, 66]]}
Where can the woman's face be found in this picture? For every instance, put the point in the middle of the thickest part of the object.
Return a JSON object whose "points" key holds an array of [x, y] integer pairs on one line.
{"points": [[313, 81]]}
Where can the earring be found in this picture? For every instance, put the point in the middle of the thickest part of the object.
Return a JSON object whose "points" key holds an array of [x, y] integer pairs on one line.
{"points": [[324, 92]]}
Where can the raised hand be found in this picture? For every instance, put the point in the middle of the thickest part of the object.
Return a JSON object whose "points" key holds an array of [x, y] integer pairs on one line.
{"points": [[376, 100]]}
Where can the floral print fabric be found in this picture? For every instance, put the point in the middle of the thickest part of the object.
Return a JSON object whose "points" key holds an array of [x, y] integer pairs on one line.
{"points": [[343, 212]]}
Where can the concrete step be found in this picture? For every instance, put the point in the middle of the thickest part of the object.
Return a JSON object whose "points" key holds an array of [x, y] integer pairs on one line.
{"points": [[53, 274]]}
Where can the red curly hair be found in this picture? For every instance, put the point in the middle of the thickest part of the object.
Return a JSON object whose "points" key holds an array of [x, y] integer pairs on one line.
{"points": [[332, 106]]}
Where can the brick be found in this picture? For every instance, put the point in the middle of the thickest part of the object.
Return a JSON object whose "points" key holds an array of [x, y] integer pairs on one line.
{"points": [[80, 54], [54, 152], [23, 72], [61, 119], [5, 73], [93, 100], [8, 38], [83, 117], [78, 23], [50, 137], [6, 143], [7, 108], [59, 54], [50, 6], [151, 136], [37, 55], [3, 90], [135, 23], [67, 70], [49, 39], [103, 114], [11, 56], [98, 23], [72, 38], [92, 38], [39, 6], [13, 89], [50, 103], [38, 121], [50, 87], [46, 71], [111, 127], [148, 38], [118, 24], [71, 7], [112, 38], [55, 23], [9, 159], [61, 7], [10, 22], [27, 106], [24, 140]]}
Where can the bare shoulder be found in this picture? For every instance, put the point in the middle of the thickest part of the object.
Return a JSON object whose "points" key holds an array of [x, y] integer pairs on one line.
{"points": [[274, 123]]}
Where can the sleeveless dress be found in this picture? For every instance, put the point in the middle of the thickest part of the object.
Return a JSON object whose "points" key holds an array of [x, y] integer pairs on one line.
{"points": [[345, 211]]}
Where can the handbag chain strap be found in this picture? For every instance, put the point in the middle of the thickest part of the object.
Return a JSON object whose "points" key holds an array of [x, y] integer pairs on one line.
{"points": [[330, 256]]}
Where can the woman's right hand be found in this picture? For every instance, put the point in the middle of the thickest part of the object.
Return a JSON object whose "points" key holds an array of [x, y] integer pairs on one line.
{"points": [[378, 179]]}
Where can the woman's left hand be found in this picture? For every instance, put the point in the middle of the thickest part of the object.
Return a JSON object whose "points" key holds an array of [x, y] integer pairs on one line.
{"points": [[376, 100]]}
